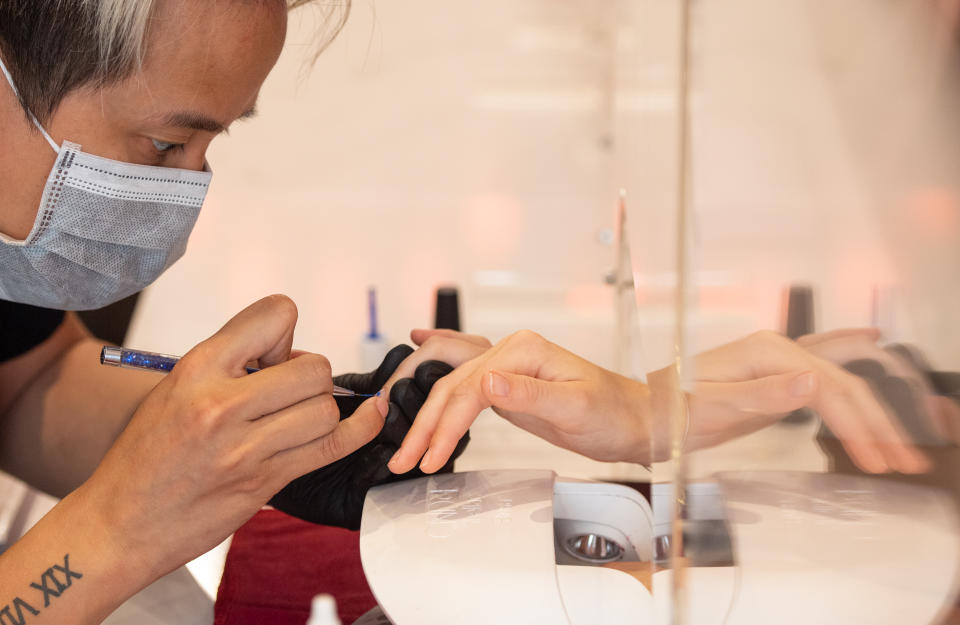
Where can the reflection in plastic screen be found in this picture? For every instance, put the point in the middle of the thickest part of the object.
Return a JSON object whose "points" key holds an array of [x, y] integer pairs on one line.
{"points": [[824, 159]]}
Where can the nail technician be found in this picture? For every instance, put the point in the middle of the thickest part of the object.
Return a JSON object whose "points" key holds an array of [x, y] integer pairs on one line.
{"points": [[107, 108]]}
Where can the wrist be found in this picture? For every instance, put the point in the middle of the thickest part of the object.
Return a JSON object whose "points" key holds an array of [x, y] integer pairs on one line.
{"points": [[120, 535], [70, 567], [664, 405], [637, 417]]}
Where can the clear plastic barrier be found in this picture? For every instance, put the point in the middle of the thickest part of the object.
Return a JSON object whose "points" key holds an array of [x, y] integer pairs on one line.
{"points": [[818, 349]]}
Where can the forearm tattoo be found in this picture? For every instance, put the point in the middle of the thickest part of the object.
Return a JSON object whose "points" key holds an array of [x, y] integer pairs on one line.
{"points": [[53, 582]]}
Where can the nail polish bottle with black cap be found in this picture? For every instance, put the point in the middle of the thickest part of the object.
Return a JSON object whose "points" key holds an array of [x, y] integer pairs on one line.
{"points": [[447, 312]]}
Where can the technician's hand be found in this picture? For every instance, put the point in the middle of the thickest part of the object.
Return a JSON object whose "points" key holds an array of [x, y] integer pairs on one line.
{"points": [[211, 444], [334, 494], [748, 384], [539, 387]]}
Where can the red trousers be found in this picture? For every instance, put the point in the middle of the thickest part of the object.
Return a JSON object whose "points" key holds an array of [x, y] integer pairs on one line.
{"points": [[277, 563]]}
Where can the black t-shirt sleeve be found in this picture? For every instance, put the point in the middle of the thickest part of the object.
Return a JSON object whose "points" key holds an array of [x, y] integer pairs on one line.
{"points": [[23, 327]]}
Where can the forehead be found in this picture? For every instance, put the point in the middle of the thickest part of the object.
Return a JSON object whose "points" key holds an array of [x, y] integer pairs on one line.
{"points": [[209, 56]]}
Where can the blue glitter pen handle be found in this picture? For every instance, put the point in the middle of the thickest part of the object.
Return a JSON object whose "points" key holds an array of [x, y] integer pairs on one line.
{"points": [[164, 363]]}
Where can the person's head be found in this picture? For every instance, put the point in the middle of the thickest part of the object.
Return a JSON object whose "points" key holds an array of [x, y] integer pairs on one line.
{"points": [[143, 81], [110, 109]]}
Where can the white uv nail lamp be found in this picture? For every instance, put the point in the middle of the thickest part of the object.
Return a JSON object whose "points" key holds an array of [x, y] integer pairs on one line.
{"points": [[766, 547], [505, 547]]}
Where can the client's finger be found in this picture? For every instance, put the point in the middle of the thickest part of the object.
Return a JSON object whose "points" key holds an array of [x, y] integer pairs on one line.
{"points": [[771, 395], [449, 350], [419, 336], [809, 340]]}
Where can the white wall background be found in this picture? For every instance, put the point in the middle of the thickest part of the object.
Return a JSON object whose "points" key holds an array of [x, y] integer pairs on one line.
{"points": [[454, 142]]}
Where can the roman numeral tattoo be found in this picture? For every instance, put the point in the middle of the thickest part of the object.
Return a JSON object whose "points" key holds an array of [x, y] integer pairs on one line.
{"points": [[53, 582], [7, 617]]}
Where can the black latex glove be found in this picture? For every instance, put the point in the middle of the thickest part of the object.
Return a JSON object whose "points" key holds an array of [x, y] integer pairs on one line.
{"points": [[334, 494]]}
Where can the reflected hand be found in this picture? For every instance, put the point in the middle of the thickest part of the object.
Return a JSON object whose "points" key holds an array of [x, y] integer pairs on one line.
{"points": [[897, 370], [748, 384]]}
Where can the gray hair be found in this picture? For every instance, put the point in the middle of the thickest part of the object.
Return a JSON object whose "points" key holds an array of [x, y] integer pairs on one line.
{"points": [[53, 47]]}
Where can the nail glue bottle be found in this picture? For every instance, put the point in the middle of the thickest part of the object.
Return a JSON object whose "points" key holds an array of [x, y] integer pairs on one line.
{"points": [[323, 611], [374, 346]]}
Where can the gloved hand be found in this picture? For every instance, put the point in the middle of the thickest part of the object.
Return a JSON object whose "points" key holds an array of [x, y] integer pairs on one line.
{"points": [[334, 494]]}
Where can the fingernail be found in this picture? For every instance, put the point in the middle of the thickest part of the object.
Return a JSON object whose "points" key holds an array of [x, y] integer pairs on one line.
{"points": [[917, 464], [802, 385], [383, 406], [878, 466], [427, 457], [499, 385], [394, 459]]}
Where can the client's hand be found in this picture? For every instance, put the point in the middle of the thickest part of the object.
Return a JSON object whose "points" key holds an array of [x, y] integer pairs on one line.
{"points": [[537, 386], [738, 388], [334, 494]]}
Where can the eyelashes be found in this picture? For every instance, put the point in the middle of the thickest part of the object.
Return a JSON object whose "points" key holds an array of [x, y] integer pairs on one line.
{"points": [[164, 147]]}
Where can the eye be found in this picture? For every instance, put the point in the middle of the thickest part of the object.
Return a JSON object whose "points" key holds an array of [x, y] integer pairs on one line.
{"points": [[163, 146]]}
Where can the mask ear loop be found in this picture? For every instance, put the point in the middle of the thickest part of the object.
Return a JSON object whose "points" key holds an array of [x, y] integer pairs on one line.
{"points": [[36, 122]]}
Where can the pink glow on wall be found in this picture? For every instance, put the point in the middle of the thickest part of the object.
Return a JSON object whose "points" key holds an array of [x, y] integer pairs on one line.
{"points": [[420, 273], [589, 299], [934, 213], [492, 224], [732, 297], [856, 273], [335, 311]]}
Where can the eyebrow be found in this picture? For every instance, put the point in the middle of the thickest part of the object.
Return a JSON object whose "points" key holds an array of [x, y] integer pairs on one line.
{"points": [[198, 121]]}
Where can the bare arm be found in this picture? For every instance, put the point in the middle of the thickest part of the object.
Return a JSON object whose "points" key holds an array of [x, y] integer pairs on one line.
{"points": [[205, 450], [60, 410], [72, 567]]}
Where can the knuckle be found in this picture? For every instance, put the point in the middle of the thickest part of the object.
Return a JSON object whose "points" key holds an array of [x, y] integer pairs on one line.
{"points": [[282, 305], [851, 388], [328, 412], [232, 463], [208, 412], [770, 342], [530, 342], [433, 343], [254, 484], [764, 337], [462, 393], [236, 462], [530, 392], [334, 447], [318, 365], [193, 360], [526, 337], [443, 387]]}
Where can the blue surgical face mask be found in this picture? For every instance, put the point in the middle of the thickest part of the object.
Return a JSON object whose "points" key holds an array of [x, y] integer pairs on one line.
{"points": [[105, 229]]}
